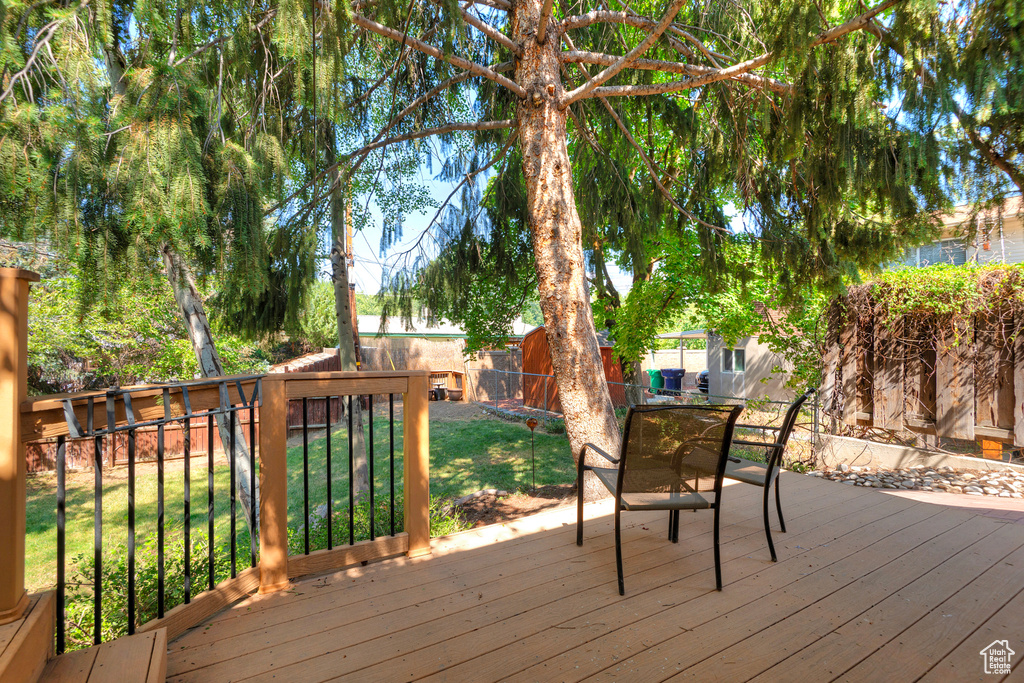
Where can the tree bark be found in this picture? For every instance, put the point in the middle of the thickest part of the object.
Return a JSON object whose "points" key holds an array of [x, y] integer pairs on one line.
{"points": [[190, 304], [343, 313], [558, 250]]}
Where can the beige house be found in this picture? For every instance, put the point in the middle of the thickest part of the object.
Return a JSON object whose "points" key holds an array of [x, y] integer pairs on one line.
{"points": [[747, 369], [998, 238]]}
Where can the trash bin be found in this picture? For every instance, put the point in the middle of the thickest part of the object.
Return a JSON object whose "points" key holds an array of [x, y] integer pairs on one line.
{"points": [[673, 378], [657, 381]]}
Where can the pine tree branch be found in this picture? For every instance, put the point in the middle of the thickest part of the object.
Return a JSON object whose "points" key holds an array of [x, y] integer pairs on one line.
{"points": [[223, 39], [42, 38], [627, 59], [606, 16], [363, 152], [473, 67], [647, 161], [966, 121], [754, 80], [860, 22], [714, 75], [427, 132], [855, 24], [637, 21], [542, 25], [429, 95], [503, 5], [468, 178], [489, 31], [654, 175]]}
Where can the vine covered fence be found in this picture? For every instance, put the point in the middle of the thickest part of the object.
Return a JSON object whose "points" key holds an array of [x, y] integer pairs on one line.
{"points": [[941, 354]]}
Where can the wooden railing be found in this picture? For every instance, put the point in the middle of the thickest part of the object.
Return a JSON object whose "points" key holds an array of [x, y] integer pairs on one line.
{"points": [[24, 420]]}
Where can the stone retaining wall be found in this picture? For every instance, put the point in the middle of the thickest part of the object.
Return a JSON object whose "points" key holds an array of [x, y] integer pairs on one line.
{"points": [[835, 450]]}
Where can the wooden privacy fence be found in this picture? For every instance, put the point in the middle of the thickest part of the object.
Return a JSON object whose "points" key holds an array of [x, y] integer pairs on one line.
{"points": [[41, 456], [958, 377]]}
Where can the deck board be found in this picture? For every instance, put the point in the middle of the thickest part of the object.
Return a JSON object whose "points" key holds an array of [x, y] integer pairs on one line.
{"points": [[864, 579]]}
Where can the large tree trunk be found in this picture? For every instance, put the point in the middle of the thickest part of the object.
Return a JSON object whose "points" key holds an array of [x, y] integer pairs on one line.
{"points": [[190, 304], [343, 313], [557, 232]]}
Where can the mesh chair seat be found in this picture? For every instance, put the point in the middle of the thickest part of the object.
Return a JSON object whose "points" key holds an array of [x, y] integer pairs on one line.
{"points": [[750, 472], [655, 500], [672, 458]]}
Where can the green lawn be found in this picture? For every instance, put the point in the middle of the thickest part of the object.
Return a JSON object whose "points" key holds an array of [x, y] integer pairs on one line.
{"points": [[465, 456]]}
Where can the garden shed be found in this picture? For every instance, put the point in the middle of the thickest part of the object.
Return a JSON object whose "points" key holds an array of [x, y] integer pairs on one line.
{"points": [[541, 392]]}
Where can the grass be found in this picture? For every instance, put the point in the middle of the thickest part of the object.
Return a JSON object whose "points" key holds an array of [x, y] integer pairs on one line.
{"points": [[465, 456]]}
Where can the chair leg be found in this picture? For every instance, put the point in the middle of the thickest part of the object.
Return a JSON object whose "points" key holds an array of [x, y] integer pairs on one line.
{"points": [[778, 505], [675, 526], [670, 523], [579, 510], [618, 552], [718, 558], [767, 527]]}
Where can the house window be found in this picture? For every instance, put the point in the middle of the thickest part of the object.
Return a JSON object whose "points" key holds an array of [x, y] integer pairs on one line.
{"points": [[733, 360], [949, 251]]}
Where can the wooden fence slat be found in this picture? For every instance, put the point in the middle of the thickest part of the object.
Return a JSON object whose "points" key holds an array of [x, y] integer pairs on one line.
{"points": [[848, 358], [888, 381], [865, 347], [1018, 381], [919, 376], [993, 373], [954, 380]]}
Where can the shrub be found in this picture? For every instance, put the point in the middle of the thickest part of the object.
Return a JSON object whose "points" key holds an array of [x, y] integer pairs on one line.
{"points": [[114, 577], [444, 520]]}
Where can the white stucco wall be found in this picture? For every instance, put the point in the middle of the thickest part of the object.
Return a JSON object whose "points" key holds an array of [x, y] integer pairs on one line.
{"points": [[757, 380]]}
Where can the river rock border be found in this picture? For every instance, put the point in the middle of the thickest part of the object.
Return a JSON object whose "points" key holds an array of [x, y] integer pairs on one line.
{"points": [[1000, 484]]}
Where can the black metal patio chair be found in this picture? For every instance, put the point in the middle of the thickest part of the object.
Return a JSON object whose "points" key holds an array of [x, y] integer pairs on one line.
{"points": [[672, 458], [765, 474]]}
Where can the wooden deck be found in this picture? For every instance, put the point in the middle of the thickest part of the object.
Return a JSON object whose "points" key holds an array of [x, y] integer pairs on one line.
{"points": [[868, 587]]}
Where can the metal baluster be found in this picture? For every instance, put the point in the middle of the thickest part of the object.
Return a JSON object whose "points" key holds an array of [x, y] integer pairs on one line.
{"points": [[234, 497], [391, 442], [187, 447], [373, 533], [97, 522], [131, 517], [160, 585], [351, 481], [305, 473], [209, 494], [252, 478], [330, 497], [61, 504]]}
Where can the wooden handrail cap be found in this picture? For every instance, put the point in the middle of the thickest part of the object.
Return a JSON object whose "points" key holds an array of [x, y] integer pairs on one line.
{"points": [[19, 274]]}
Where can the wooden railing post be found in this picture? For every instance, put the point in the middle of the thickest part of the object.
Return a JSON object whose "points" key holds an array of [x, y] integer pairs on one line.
{"points": [[416, 438], [14, 284], [273, 485]]}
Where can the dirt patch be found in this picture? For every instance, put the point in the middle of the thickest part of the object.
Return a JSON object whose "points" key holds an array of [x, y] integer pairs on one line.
{"points": [[491, 509], [454, 411]]}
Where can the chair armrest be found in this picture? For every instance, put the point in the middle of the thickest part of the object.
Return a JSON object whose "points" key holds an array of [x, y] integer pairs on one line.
{"points": [[762, 444], [597, 450], [774, 429]]}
